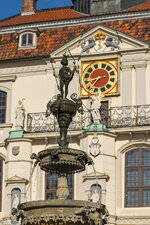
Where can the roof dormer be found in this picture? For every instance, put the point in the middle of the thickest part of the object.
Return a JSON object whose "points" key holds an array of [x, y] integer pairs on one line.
{"points": [[27, 39]]}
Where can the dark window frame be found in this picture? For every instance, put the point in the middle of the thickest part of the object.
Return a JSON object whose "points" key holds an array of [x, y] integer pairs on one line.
{"points": [[52, 191], [3, 108], [140, 187], [27, 38]]}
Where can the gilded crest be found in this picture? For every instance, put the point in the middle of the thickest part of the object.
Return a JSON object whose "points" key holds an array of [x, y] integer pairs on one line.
{"points": [[99, 41]]}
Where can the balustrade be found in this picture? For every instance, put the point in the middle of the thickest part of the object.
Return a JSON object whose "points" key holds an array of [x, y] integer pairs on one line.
{"points": [[124, 116]]}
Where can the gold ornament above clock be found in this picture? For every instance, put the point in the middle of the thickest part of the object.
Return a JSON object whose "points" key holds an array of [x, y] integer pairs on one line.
{"points": [[100, 76]]}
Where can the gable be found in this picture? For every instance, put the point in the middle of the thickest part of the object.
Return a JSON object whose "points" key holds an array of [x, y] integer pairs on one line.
{"points": [[98, 175], [16, 179], [101, 39]]}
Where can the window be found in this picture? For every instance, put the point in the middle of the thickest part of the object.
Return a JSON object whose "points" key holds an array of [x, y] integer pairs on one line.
{"points": [[51, 181], [104, 112], [1, 179], [137, 178], [3, 98], [27, 40]]}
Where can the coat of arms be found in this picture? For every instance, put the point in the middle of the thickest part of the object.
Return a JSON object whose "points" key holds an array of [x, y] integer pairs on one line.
{"points": [[15, 150], [99, 41], [95, 147]]}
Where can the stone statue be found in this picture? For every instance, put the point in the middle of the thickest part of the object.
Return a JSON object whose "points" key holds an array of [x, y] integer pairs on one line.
{"points": [[65, 76], [112, 42], [15, 201], [95, 108], [95, 196], [86, 48], [20, 115]]}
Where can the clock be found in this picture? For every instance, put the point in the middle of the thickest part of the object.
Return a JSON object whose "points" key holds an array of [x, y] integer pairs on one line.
{"points": [[100, 76]]}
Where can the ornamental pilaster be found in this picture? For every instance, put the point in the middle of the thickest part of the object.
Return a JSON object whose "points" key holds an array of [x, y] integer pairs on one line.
{"points": [[140, 71], [126, 83]]}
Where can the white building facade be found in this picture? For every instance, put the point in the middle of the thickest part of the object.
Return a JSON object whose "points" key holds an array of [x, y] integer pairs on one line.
{"points": [[118, 69]]}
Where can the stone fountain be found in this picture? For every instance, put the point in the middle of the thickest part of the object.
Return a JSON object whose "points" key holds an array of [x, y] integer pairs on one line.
{"points": [[62, 160]]}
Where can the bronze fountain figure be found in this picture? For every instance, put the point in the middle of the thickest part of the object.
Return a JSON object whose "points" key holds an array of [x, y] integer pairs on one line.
{"points": [[62, 160]]}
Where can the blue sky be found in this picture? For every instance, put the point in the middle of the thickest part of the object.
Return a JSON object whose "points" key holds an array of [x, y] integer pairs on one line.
{"points": [[12, 7]]}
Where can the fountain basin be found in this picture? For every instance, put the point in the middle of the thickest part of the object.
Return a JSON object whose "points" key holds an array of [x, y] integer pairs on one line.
{"points": [[58, 211], [63, 160]]}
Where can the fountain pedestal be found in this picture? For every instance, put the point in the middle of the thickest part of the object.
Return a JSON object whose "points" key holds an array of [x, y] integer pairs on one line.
{"points": [[62, 160], [62, 192]]}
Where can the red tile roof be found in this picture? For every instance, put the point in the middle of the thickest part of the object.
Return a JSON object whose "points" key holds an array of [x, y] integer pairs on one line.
{"points": [[58, 14], [51, 39], [42, 16], [48, 41], [139, 28]]}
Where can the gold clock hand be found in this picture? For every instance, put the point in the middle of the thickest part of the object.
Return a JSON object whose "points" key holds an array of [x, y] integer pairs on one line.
{"points": [[90, 79], [98, 78]]}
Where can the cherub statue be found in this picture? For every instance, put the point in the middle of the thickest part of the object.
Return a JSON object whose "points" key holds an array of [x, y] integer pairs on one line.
{"points": [[65, 76]]}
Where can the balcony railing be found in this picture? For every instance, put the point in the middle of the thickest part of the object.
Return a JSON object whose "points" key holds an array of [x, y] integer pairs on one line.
{"points": [[124, 116], [129, 116], [37, 122]]}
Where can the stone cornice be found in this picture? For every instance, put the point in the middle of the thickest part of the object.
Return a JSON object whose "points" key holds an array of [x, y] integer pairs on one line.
{"points": [[98, 176], [109, 134], [140, 65], [18, 140], [126, 67], [78, 21], [8, 78], [6, 125], [44, 135], [18, 161], [129, 130], [2, 144]]}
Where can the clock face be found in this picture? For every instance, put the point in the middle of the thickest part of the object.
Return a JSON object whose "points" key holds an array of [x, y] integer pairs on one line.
{"points": [[99, 76]]}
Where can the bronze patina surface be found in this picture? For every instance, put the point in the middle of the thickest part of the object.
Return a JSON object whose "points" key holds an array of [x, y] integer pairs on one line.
{"points": [[50, 211], [62, 160]]}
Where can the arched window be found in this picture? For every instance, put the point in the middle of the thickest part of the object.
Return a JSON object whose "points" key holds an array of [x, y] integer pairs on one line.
{"points": [[137, 178], [51, 181], [1, 180], [3, 98]]}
